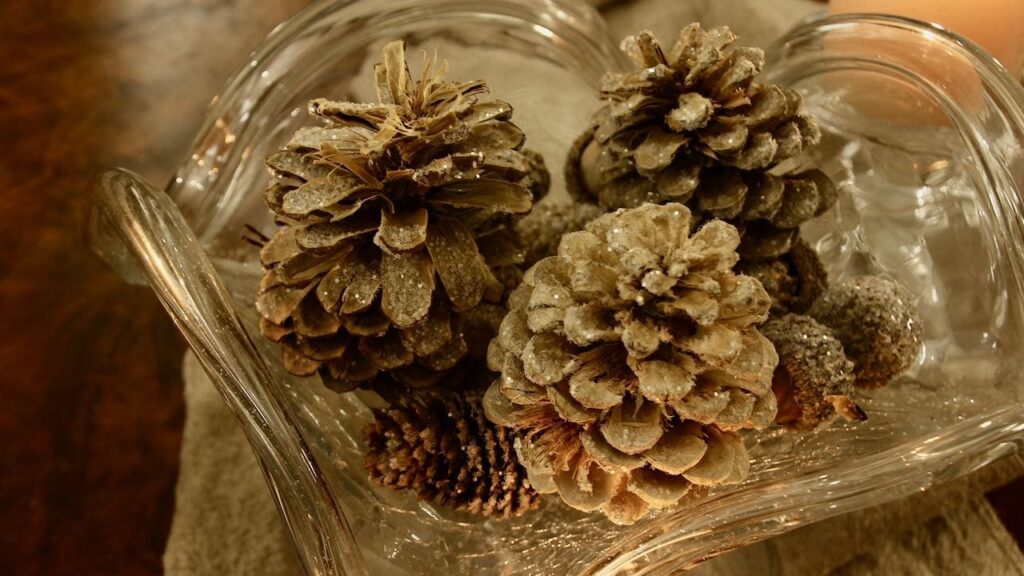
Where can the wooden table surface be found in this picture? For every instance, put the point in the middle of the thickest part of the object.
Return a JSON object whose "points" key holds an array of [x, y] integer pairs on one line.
{"points": [[91, 407]]}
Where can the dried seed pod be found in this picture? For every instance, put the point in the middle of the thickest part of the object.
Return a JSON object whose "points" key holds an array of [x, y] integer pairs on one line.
{"points": [[628, 359], [878, 324], [794, 280], [814, 379], [692, 125], [395, 225], [439, 445]]}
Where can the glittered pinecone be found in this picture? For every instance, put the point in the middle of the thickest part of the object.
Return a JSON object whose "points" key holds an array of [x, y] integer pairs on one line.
{"points": [[440, 446], [878, 324], [394, 237], [814, 380], [692, 126], [794, 280], [542, 229], [628, 360]]}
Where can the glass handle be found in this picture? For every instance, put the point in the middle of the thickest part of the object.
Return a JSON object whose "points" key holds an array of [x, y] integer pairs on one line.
{"points": [[141, 233], [102, 237]]}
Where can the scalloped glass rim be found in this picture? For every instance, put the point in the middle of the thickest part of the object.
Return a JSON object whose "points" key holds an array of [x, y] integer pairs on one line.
{"points": [[169, 243]]}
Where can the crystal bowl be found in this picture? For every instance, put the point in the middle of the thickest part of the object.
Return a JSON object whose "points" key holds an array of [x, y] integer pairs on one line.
{"points": [[923, 132]]}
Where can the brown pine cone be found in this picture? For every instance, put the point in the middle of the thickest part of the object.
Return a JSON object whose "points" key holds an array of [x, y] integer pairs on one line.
{"points": [[439, 445], [693, 126], [394, 220], [628, 359], [814, 379], [794, 280]]}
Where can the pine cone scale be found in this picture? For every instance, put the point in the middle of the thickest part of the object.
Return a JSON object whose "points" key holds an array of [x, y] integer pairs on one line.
{"points": [[364, 285], [325, 348], [408, 283], [489, 193], [431, 333], [292, 164], [402, 232], [281, 247], [318, 194], [328, 235], [312, 320], [276, 304], [460, 266]]}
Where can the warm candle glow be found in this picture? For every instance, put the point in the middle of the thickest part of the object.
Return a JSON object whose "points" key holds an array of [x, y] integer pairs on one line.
{"points": [[997, 25]]}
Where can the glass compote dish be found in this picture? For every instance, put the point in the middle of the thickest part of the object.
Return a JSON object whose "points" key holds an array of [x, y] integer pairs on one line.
{"points": [[922, 130]]}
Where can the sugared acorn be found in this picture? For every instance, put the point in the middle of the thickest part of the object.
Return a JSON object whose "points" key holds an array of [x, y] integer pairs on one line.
{"points": [[878, 324], [814, 379]]}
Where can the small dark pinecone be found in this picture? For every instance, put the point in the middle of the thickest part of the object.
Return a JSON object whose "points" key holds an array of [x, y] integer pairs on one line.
{"points": [[440, 446], [692, 126], [395, 244]]}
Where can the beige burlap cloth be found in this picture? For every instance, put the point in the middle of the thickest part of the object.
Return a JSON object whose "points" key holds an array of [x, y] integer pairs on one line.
{"points": [[225, 523]]}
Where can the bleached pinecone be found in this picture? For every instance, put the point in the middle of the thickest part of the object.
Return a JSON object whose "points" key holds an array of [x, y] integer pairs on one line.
{"points": [[439, 445], [629, 359], [794, 280], [693, 126], [814, 379], [393, 238]]}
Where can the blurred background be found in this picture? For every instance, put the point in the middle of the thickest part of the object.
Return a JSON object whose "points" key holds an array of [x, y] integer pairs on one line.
{"points": [[92, 410]]}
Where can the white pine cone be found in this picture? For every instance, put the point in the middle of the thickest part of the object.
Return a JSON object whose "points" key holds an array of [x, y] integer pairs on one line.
{"points": [[629, 359]]}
